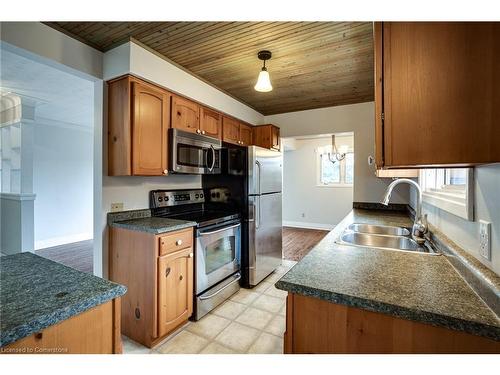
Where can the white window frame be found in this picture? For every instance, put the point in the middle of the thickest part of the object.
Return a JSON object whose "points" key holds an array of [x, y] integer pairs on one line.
{"points": [[342, 184], [442, 196]]}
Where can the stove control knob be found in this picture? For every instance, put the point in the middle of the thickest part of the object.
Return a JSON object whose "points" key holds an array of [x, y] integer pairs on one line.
{"points": [[166, 199], [160, 199], [201, 195], [197, 196]]}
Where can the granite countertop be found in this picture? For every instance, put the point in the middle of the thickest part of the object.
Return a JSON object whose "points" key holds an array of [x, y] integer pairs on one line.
{"points": [[419, 287], [141, 220], [36, 293]]}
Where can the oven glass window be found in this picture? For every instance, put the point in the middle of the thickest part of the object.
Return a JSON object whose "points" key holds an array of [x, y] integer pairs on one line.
{"points": [[219, 253], [192, 156]]}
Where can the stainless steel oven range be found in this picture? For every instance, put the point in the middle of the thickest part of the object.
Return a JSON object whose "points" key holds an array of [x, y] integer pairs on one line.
{"points": [[217, 241]]}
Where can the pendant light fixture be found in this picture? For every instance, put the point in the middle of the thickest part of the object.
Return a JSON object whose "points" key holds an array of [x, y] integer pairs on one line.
{"points": [[263, 82]]}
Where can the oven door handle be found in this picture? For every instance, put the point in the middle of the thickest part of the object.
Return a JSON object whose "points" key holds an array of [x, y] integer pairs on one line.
{"points": [[220, 290], [213, 158], [219, 230]]}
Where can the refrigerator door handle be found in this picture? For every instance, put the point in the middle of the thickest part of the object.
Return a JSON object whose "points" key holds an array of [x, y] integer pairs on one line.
{"points": [[257, 215], [257, 163]]}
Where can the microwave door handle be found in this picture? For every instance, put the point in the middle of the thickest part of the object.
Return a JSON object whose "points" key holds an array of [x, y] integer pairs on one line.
{"points": [[219, 230], [213, 158]]}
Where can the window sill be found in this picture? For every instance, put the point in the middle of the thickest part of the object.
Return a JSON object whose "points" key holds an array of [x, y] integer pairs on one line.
{"points": [[335, 186]]}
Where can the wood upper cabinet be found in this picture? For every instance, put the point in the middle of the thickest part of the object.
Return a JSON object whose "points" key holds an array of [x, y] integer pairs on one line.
{"points": [[149, 130], [185, 114], [210, 123], [234, 131], [267, 136], [175, 289], [437, 93], [230, 130], [138, 120], [245, 135]]}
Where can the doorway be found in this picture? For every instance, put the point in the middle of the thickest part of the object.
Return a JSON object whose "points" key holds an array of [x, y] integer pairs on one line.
{"points": [[47, 160]]}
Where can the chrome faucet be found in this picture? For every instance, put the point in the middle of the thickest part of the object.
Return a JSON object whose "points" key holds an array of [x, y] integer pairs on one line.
{"points": [[420, 224]]}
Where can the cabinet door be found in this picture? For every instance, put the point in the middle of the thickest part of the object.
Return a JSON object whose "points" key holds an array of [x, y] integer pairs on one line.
{"points": [[230, 130], [275, 138], [210, 123], [245, 135], [185, 114], [441, 90], [149, 130], [175, 289]]}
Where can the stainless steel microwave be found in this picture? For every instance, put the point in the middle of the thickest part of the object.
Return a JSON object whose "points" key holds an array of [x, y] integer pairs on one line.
{"points": [[194, 153]]}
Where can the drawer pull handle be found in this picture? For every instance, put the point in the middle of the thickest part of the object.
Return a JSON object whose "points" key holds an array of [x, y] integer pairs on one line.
{"points": [[167, 272], [178, 242], [38, 335], [180, 277], [190, 255], [137, 313]]}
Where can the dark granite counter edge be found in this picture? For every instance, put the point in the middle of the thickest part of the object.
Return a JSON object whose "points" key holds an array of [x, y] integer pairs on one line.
{"points": [[178, 226], [42, 322], [437, 320]]}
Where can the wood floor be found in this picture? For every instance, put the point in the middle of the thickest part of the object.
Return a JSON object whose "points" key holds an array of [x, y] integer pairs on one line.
{"points": [[78, 255], [297, 242]]}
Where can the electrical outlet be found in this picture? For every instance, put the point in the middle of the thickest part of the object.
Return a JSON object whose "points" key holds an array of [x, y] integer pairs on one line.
{"points": [[484, 239], [303, 214], [116, 207]]}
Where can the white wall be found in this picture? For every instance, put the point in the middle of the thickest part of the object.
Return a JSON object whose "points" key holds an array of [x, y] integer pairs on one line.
{"points": [[357, 118], [322, 207], [48, 46], [486, 207], [132, 58], [63, 184]]}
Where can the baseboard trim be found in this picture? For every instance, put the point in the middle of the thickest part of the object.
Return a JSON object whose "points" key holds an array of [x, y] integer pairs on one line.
{"points": [[302, 224], [57, 241]]}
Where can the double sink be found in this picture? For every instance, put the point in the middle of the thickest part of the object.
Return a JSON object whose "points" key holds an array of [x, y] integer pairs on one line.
{"points": [[383, 237]]}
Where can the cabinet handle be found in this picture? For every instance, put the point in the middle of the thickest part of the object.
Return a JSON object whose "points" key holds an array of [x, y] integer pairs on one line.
{"points": [[167, 272], [178, 242], [180, 277], [165, 171], [203, 132], [39, 335], [190, 255]]}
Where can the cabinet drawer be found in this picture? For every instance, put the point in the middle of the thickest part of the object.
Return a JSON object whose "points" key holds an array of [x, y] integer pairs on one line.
{"points": [[176, 241]]}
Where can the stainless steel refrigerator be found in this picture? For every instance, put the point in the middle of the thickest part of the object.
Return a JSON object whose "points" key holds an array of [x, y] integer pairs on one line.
{"points": [[264, 212]]}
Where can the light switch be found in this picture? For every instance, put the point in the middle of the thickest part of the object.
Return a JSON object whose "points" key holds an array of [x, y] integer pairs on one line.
{"points": [[484, 239]]}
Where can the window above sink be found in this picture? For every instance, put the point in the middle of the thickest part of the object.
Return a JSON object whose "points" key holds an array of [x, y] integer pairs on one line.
{"points": [[449, 189]]}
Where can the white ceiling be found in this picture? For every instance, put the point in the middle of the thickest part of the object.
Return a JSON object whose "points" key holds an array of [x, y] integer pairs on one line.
{"points": [[59, 96]]}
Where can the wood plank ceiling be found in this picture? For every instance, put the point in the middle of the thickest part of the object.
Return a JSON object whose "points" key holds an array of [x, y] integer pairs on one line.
{"points": [[314, 64]]}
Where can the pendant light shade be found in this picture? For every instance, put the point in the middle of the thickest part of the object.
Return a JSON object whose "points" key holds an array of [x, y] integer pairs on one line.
{"points": [[263, 82]]}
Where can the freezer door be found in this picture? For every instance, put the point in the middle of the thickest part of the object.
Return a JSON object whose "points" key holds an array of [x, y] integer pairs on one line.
{"points": [[264, 171], [265, 236]]}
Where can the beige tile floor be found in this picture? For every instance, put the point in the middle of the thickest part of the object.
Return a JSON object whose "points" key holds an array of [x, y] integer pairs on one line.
{"points": [[251, 321]]}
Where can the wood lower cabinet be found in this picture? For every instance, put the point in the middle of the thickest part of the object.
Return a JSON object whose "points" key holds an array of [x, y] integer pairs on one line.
{"points": [[175, 289], [320, 327], [185, 114], [158, 273], [437, 93], [267, 136], [138, 121], [210, 123], [95, 331]]}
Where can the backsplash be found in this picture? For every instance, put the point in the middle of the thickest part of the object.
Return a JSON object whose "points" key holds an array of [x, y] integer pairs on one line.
{"points": [[486, 207]]}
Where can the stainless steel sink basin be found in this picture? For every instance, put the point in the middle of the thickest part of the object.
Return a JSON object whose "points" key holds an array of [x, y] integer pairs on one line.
{"points": [[379, 229], [400, 243]]}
